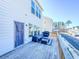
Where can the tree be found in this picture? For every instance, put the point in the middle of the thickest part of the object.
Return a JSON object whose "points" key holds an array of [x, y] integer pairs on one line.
{"points": [[68, 22], [63, 24], [77, 27]]}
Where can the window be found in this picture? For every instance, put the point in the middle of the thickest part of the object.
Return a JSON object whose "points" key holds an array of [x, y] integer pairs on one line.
{"points": [[30, 30], [33, 7], [37, 14], [35, 32], [33, 4], [38, 32], [35, 10]]}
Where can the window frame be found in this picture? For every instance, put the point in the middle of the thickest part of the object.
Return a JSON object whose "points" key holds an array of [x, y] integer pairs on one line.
{"points": [[33, 7], [39, 13]]}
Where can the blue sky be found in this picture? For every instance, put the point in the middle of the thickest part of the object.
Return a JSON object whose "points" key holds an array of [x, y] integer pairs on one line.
{"points": [[62, 10]]}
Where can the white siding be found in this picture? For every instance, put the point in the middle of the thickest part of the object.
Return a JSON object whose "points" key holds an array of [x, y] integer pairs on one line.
{"points": [[6, 28], [10, 11]]}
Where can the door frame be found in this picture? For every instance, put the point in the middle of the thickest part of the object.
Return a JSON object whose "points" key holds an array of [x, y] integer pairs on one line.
{"points": [[15, 33]]}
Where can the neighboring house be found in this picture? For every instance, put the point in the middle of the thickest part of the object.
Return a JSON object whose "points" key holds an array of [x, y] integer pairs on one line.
{"points": [[73, 31], [19, 20], [60, 26], [47, 24]]}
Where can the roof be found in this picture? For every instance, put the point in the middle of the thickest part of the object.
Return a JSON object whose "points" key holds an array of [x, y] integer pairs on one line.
{"points": [[39, 4]]}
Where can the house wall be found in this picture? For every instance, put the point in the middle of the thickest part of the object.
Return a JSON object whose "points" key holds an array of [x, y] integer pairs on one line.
{"points": [[11, 11]]}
